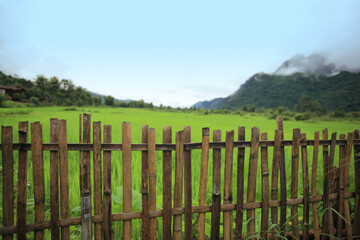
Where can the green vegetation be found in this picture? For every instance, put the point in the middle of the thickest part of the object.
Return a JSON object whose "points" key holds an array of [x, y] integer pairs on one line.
{"points": [[299, 91], [159, 118]]}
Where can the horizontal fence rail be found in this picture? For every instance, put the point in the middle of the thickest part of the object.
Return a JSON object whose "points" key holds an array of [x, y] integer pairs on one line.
{"points": [[285, 193]]}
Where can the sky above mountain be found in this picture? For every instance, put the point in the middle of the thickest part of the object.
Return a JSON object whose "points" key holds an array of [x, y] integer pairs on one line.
{"points": [[171, 52]]}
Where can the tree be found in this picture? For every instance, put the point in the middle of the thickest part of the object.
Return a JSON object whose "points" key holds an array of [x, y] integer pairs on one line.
{"points": [[109, 100]]}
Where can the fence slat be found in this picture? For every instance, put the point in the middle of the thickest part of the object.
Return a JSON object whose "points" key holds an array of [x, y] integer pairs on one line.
{"points": [[294, 182], [145, 228], [188, 185], [167, 201], [216, 196], [152, 181], [97, 176], [280, 127], [127, 183], [349, 143], [275, 175], [251, 193], [86, 182], [107, 185], [54, 180], [22, 184], [203, 180], [313, 184], [228, 172], [64, 178], [240, 185], [306, 189], [342, 163], [8, 177], [356, 231], [178, 183], [265, 190], [80, 156], [328, 205], [38, 176]]}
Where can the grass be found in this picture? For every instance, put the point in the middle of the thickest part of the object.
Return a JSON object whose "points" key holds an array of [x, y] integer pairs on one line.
{"points": [[158, 120]]}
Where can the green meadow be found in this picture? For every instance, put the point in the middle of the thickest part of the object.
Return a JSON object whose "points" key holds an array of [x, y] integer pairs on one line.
{"points": [[158, 119]]}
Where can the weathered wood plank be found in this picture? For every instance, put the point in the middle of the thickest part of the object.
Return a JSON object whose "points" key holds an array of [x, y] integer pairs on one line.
{"points": [[306, 187], [97, 166], [356, 231], [178, 191], [265, 190], [127, 182], [145, 228], [152, 180], [107, 185], [216, 195], [203, 180], [349, 144], [38, 176], [188, 185], [294, 182], [228, 172], [283, 200], [251, 193], [86, 182], [8, 178], [167, 198], [275, 175], [342, 163], [22, 185], [313, 184], [240, 185]]}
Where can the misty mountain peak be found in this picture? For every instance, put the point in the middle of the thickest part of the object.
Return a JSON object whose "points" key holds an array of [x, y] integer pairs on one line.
{"points": [[314, 64]]}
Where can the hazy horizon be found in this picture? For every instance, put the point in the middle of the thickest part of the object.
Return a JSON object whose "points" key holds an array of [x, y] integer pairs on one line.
{"points": [[173, 53]]}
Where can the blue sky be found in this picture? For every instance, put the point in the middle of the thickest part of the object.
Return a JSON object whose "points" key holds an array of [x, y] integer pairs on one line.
{"points": [[171, 52]]}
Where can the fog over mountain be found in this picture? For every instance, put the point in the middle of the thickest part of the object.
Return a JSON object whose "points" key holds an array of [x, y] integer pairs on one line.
{"points": [[314, 64]]}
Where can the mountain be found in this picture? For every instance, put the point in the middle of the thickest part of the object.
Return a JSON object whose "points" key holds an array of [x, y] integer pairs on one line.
{"points": [[94, 94], [320, 81]]}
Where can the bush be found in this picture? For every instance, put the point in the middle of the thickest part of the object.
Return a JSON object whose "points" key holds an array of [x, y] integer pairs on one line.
{"points": [[34, 101], [303, 116], [2, 100]]}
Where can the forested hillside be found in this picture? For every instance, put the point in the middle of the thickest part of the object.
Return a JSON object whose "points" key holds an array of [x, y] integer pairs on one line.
{"points": [[271, 91]]}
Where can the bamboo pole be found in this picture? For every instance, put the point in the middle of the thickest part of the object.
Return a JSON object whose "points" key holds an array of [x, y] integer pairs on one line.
{"points": [[265, 190], [97, 166], [294, 182], [167, 198], [187, 185], [240, 185], [145, 228], [313, 184], [203, 180], [127, 183], [22, 185], [152, 180], [107, 185], [216, 195]]}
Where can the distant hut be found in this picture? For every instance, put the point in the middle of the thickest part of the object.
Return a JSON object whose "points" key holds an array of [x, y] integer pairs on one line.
{"points": [[11, 91]]}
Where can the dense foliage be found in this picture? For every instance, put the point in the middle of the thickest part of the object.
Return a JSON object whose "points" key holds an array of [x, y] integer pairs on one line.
{"points": [[301, 92]]}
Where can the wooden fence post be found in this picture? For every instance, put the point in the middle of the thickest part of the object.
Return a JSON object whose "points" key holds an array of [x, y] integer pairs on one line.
{"points": [[152, 180], [8, 178], [356, 231], [313, 184], [86, 182], [188, 185], [240, 185], [265, 190], [349, 143], [97, 177], [38, 176], [107, 185], [216, 196], [127, 182], [306, 191], [283, 197], [145, 228], [228, 172], [251, 193], [294, 182], [342, 163], [22, 184], [178, 191], [167, 201], [275, 175], [203, 180]]}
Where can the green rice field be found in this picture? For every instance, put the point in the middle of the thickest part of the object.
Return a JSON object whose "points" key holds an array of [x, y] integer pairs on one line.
{"points": [[159, 119]]}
